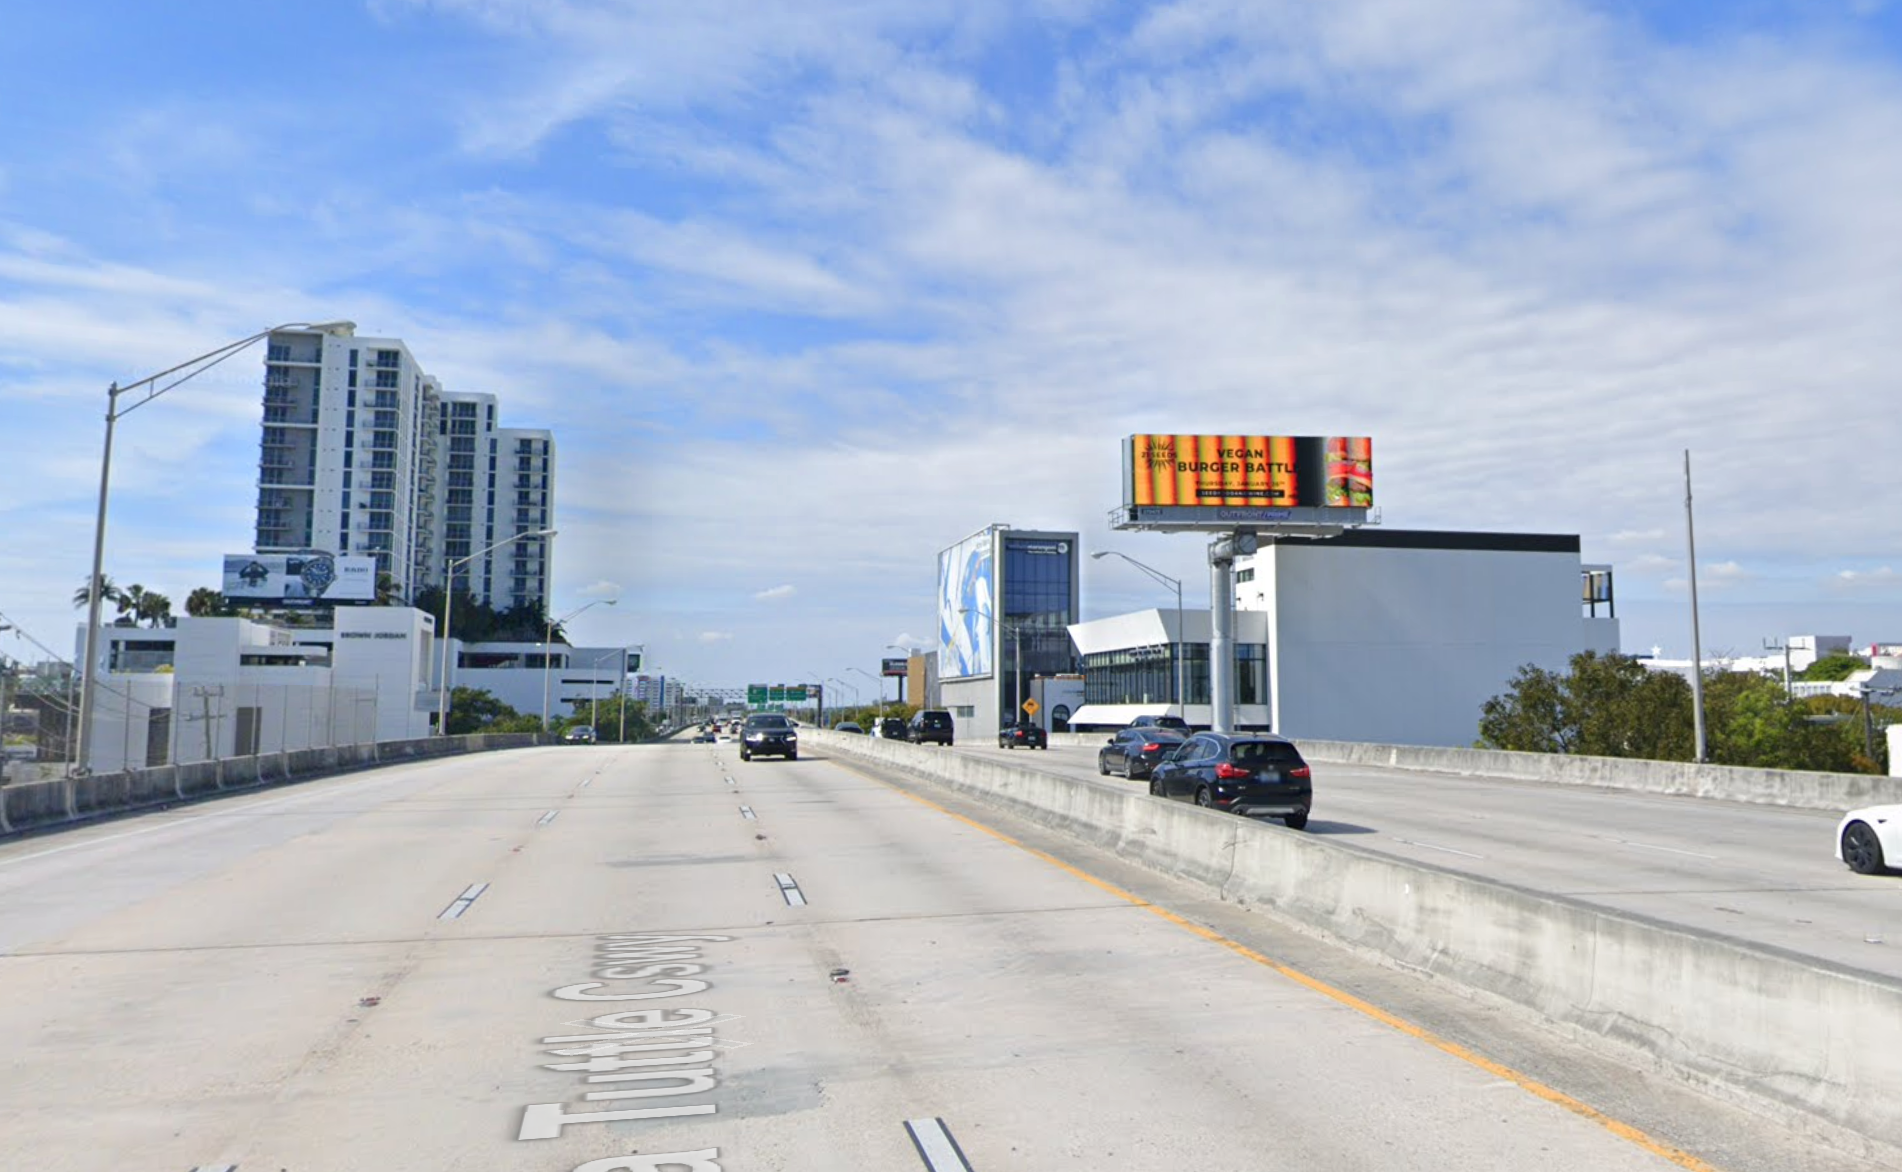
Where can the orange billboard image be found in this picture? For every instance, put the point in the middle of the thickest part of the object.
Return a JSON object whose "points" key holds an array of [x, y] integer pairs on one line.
{"points": [[1196, 471]]}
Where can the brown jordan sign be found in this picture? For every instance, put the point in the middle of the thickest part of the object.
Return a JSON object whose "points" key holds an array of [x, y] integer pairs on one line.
{"points": [[1229, 471]]}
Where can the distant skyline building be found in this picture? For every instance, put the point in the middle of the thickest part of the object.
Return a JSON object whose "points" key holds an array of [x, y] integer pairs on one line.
{"points": [[364, 453]]}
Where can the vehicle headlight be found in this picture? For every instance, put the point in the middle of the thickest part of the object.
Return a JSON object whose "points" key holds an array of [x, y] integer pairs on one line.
{"points": [[752, 736]]}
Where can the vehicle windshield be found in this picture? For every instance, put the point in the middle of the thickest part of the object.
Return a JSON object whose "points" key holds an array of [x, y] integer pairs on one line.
{"points": [[768, 722]]}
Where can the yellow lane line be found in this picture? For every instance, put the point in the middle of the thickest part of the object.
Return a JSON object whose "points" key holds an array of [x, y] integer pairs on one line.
{"points": [[1526, 1082]]}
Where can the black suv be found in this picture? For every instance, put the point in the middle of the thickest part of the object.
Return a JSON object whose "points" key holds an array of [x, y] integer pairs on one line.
{"points": [[932, 725], [1252, 774], [768, 735], [1175, 722]]}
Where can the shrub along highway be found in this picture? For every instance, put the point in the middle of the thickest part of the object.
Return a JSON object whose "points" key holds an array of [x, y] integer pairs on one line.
{"points": [[596, 957]]}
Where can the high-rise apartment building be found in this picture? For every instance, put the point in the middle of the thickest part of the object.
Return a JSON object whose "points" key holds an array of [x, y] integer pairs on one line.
{"points": [[363, 453]]}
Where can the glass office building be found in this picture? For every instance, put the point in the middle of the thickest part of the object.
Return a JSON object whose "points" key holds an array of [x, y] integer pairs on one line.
{"points": [[1006, 600]]}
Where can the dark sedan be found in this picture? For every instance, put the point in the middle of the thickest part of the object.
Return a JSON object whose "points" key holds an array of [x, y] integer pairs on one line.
{"points": [[1256, 775], [1134, 751], [1022, 736]]}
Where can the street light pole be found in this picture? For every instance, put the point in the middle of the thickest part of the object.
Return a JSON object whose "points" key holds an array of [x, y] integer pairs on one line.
{"points": [[878, 683], [548, 637], [1697, 643], [448, 614], [1175, 647], [89, 682]]}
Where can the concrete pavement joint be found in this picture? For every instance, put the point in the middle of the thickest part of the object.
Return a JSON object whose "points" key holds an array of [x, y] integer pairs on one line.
{"points": [[524, 937]]}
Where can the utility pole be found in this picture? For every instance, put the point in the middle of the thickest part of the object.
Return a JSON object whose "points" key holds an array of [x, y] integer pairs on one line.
{"points": [[1697, 643], [204, 696]]}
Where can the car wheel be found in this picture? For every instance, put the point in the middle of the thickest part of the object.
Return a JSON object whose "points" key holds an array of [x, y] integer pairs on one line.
{"points": [[1862, 850], [1296, 821], [745, 756], [1102, 766], [1203, 798], [792, 756], [1155, 791]]}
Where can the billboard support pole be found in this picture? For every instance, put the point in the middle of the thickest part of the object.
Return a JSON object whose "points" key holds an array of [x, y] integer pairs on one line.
{"points": [[1222, 554]]}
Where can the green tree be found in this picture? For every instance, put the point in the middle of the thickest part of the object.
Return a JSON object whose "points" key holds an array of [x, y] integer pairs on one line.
{"points": [[605, 715], [1530, 716], [1751, 722], [1624, 709], [155, 609], [477, 622], [1604, 706], [108, 593], [473, 710], [1834, 668], [204, 603]]}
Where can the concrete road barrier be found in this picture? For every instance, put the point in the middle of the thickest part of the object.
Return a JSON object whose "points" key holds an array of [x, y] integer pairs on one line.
{"points": [[1816, 1044], [38, 805], [1732, 783]]}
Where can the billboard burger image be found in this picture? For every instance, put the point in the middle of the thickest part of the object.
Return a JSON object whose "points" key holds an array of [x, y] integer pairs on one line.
{"points": [[1350, 471], [1229, 471]]}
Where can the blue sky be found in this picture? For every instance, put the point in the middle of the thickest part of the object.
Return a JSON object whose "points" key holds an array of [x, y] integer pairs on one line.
{"points": [[864, 275]]}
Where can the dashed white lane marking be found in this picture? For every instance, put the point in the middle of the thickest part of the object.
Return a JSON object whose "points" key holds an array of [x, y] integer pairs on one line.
{"points": [[747, 812], [1436, 847], [461, 904], [790, 889], [1670, 850], [936, 1147], [545, 819]]}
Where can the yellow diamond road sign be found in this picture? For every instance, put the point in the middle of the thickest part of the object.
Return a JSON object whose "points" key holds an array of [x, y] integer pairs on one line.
{"points": [[1031, 706]]}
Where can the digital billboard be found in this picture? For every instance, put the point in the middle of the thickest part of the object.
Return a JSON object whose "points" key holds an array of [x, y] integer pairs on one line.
{"points": [[298, 579], [967, 598], [1246, 472], [894, 667]]}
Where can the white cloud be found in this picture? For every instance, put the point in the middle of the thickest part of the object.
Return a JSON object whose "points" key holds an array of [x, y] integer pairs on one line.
{"points": [[1649, 564], [601, 589], [1845, 579], [774, 592], [821, 272], [1636, 536]]}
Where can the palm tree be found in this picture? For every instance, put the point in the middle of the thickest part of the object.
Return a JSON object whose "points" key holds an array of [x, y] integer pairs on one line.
{"points": [[129, 603], [82, 597], [204, 602], [155, 608]]}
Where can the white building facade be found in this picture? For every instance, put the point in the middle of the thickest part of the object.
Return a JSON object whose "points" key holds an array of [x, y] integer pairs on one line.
{"points": [[232, 687], [1382, 636], [364, 453]]}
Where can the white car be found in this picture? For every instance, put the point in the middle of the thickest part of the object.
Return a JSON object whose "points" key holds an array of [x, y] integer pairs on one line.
{"points": [[1866, 838]]}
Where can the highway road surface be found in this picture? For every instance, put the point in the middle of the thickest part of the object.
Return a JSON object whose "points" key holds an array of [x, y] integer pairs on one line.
{"points": [[1766, 874], [610, 958]]}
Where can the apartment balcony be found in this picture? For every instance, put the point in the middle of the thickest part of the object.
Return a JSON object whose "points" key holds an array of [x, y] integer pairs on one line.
{"points": [[280, 478], [293, 416]]}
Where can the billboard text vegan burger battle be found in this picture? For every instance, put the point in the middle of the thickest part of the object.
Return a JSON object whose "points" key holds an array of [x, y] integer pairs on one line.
{"points": [[1257, 470]]}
